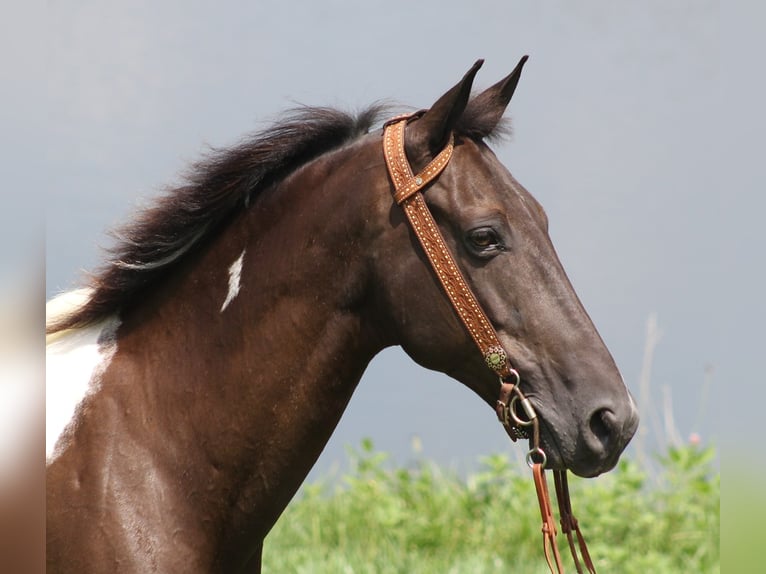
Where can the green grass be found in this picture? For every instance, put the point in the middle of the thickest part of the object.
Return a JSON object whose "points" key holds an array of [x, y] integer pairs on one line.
{"points": [[397, 520]]}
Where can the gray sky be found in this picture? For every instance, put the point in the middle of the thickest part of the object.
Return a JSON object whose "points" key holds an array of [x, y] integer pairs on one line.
{"points": [[617, 121]]}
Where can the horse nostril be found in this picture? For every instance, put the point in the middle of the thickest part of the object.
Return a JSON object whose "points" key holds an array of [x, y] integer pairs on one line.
{"points": [[603, 424]]}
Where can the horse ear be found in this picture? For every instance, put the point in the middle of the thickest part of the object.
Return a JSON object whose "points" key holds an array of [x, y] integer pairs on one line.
{"points": [[429, 134], [487, 109]]}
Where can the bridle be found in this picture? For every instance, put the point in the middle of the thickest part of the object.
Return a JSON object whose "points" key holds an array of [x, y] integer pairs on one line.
{"points": [[407, 193]]}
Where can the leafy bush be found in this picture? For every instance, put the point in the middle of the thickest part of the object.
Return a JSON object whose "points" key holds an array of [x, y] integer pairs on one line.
{"points": [[386, 520]]}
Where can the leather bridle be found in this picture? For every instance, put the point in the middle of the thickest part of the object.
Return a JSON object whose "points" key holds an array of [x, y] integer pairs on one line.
{"points": [[407, 193]]}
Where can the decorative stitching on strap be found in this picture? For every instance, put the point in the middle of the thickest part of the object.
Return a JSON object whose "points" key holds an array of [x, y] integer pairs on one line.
{"points": [[407, 189]]}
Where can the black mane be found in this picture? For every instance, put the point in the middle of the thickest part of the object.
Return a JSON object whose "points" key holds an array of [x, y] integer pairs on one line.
{"points": [[216, 187]]}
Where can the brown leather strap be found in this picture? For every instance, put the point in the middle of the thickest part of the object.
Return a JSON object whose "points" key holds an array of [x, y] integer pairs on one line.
{"points": [[407, 187], [406, 184], [550, 547], [569, 523]]}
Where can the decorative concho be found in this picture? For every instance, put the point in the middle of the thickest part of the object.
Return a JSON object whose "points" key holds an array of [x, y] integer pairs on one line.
{"points": [[496, 358]]}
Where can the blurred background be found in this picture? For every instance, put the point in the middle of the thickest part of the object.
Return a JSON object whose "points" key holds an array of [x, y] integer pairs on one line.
{"points": [[634, 125], [613, 134]]}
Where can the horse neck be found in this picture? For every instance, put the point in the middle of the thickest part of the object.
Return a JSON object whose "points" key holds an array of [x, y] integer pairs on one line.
{"points": [[248, 383]]}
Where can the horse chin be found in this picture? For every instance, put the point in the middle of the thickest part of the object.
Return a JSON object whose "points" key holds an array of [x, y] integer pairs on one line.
{"points": [[558, 458]]}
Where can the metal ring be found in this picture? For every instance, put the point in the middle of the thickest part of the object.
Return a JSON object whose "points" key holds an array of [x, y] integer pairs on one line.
{"points": [[514, 416], [533, 452], [513, 373]]}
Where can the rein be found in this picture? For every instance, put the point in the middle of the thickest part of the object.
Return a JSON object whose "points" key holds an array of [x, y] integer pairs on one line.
{"points": [[407, 193]]}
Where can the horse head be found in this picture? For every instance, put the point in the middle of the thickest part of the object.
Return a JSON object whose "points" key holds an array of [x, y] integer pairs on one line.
{"points": [[498, 235]]}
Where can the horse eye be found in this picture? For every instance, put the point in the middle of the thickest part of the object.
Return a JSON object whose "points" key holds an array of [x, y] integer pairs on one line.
{"points": [[484, 239]]}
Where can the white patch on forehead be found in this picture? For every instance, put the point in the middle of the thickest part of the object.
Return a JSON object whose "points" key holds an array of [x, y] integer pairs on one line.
{"points": [[74, 363], [235, 275]]}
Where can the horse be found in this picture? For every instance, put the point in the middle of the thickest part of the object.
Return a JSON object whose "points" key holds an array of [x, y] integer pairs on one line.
{"points": [[217, 347]]}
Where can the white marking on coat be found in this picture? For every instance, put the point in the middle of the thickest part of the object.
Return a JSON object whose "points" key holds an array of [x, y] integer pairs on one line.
{"points": [[235, 276], [74, 362]]}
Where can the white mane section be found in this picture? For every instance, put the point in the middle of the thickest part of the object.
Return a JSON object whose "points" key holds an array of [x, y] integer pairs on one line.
{"points": [[168, 259], [74, 360], [62, 305]]}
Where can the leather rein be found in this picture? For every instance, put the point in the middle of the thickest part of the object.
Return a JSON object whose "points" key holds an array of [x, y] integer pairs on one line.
{"points": [[407, 193]]}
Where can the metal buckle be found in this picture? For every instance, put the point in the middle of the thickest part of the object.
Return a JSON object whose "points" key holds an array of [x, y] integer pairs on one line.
{"points": [[528, 410]]}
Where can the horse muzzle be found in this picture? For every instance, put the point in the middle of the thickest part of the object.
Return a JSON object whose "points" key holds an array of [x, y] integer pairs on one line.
{"points": [[594, 446]]}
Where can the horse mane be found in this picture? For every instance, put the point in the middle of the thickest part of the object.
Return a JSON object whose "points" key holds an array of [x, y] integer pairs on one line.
{"points": [[224, 181]]}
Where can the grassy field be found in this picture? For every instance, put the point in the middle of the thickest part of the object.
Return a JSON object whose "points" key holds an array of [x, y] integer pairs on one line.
{"points": [[380, 519]]}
